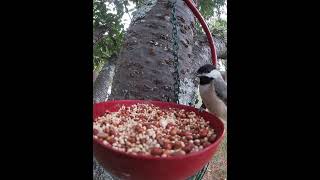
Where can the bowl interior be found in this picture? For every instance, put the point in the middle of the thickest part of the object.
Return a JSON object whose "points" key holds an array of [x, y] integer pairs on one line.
{"points": [[112, 106]]}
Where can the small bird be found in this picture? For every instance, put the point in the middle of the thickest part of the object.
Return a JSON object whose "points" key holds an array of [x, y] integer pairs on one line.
{"points": [[213, 91]]}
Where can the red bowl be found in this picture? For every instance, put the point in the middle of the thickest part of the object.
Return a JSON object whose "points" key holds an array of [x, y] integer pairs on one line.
{"points": [[137, 167]]}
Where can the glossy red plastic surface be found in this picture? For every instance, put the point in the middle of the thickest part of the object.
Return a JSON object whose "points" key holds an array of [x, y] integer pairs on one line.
{"points": [[131, 167]]}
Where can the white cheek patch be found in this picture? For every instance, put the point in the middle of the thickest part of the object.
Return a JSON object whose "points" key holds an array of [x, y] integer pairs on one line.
{"points": [[213, 74]]}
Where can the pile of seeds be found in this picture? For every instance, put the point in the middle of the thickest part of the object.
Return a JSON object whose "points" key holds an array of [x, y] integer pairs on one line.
{"points": [[143, 129]]}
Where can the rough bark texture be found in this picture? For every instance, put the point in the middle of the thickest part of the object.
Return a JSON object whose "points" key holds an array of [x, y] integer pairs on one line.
{"points": [[145, 63], [221, 47], [103, 82]]}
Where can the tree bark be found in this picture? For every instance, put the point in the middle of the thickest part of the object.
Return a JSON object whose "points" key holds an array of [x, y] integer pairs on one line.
{"points": [[221, 47], [220, 44], [145, 63], [102, 84]]}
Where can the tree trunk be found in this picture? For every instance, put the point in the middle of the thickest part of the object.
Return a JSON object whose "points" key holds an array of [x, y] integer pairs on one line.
{"points": [[145, 66], [221, 46], [200, 50], [102, 84], [145, 63]]}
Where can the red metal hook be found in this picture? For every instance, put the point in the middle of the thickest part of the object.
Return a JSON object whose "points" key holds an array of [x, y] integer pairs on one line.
{"points": [[204, 25]]}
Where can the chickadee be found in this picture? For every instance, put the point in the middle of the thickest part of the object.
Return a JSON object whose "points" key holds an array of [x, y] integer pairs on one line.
{"points": [[213, 91]]}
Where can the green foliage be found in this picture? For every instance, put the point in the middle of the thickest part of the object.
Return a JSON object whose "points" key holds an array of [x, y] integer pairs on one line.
{"points": [[218, 27], [103, 15], [102, 11], [211, 11], [210, 8], [206, 8], [107, 46]]}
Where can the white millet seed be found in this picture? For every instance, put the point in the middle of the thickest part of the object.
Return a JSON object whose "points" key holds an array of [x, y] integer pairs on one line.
{"points": [[126, 119]]}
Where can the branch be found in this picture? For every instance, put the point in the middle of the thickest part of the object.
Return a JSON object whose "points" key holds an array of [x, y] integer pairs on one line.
{"points": [[104, 80], [221, 47]]}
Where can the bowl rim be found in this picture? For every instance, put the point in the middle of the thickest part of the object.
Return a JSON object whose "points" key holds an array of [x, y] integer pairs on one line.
{"points": [[149, 157]]}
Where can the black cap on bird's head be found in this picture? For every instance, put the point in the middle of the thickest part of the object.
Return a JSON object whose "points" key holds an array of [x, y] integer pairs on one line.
{"points": [[207, 73], [207, 68]]}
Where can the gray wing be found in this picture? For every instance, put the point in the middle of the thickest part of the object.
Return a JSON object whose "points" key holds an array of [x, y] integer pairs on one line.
{"points": [[221, 89]]}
